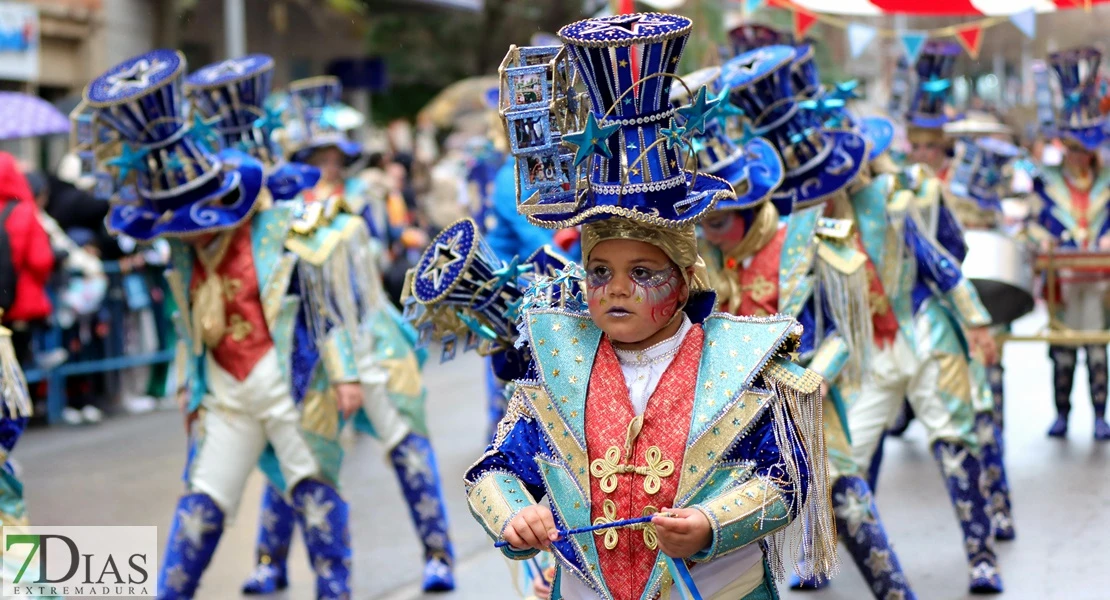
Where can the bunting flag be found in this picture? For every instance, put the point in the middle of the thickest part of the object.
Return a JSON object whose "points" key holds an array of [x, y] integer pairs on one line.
{"points": [[913, 42], [802, 22], [750, 6], [859, 36], [1026, 22], [971, 38]]}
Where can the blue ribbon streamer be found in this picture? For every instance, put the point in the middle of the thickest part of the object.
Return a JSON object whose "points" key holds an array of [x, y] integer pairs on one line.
{"points": [[683, 580], [591, 528]]}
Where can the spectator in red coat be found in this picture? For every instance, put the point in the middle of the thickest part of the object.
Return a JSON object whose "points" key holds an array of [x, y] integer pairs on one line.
{"points": [[32, 256]]}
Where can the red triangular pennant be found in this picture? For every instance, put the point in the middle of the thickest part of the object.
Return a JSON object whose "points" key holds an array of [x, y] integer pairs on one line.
{"points": [[802, 22], [971, 38]]}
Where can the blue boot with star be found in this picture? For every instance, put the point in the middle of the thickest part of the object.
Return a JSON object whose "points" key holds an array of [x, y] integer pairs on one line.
{"points": [[324, 517], [197, 526], [862, 532], [994, 476], [963, 476], [415, 463], [275, 532]]}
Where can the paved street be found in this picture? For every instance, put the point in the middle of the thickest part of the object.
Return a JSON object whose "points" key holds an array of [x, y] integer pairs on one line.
{"points": [[127, 472]]}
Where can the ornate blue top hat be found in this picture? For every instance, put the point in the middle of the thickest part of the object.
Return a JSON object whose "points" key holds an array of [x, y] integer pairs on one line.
{"points": [[834, 106], [464, 293], [980, 172], [754, 169], [1078, 117], [803, 73], [316, 118], [181, 186], [819, 162], [621, 155], [233, 98], [934, 85]]}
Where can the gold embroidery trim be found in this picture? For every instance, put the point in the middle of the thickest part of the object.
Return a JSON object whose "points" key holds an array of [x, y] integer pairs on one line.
{"points": [[606, 469]]}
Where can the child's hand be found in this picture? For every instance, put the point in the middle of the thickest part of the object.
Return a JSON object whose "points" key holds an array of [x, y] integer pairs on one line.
{"points": [[683, 535], [532, 528]]}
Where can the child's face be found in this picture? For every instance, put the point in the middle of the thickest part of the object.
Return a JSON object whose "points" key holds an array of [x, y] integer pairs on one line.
{"points": [[330, 162], [724, 229], [633, 289]]}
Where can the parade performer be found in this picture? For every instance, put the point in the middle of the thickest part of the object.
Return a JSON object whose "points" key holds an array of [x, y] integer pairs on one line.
{"points": [[642, 408], [240, 300], [768, 266], [394, 408], [977, 178], [916, 246], [1075, 213]]}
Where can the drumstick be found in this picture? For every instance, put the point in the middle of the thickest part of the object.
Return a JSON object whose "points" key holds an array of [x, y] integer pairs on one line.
{"points": [[592, 528]]}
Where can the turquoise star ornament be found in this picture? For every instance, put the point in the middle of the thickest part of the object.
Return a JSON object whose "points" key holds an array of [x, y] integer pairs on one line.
{"points": [[697, 145], [674, 136], [270, 119], [594, 139], [724, 109], [936, 87], [846, 90], [128, 160], [510, 271], [746, 134], [203, 131], [698, 111], [174, 163]]}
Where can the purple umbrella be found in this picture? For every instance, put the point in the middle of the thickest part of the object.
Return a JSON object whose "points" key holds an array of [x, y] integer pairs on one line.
{"points": [[24, 116]]}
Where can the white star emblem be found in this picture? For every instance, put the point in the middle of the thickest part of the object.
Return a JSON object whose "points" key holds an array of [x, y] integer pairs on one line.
{"points": [[176, 578], [316, 511], [953, 464], [747, 66], [427, 508], [854, 509], [322, 566], [964, 508], [895, 595], [446, 255], [436, 541], [986, 432], [984, 570], [634, 24], [137, 76], [195, 524], [878, 562], [415, 464], [227, 67], [972, 545], [269, 519]]}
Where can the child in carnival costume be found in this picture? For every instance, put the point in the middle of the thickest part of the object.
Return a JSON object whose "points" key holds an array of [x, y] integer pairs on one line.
{"points": [[768, 263], [978, 177], [230, 97], [641, 408], [314, 125], [239, 303], [1075, 212], [916, 245]]}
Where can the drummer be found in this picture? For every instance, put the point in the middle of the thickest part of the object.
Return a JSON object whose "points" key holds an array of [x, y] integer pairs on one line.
{"points": [[1074, 196]]}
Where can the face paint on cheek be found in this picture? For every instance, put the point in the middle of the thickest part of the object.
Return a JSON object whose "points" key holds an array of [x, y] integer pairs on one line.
{"points": [[597, 288], [659, 291]]}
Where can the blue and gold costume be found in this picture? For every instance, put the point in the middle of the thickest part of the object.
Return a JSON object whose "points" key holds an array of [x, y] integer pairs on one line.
{"points": [[723, 432], [1075, 210], [240, 304], [777, 267]]}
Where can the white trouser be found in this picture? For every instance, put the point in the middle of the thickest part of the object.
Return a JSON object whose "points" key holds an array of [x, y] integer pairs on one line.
{"points": [[241, 417], [898, 372], [388, 423], [1083, 305]]}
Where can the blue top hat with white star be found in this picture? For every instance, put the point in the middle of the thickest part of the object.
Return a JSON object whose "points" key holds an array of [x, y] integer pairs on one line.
{"points": [[980, 172], [934, 84], [627, 160], [233, 98], [1078, 117], [754, 170], [463, 292], [181, 186], [819, 162], [316, 118]]}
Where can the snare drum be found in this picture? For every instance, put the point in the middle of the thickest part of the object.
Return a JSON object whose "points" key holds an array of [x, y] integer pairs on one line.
{"points": [[1002, 271]]}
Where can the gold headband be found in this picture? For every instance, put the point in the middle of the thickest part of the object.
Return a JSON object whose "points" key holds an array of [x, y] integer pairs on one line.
{"points": [[679, 244]]}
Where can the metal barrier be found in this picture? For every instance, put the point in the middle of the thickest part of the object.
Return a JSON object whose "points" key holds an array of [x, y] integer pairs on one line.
{"points": [[114, 358]]}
